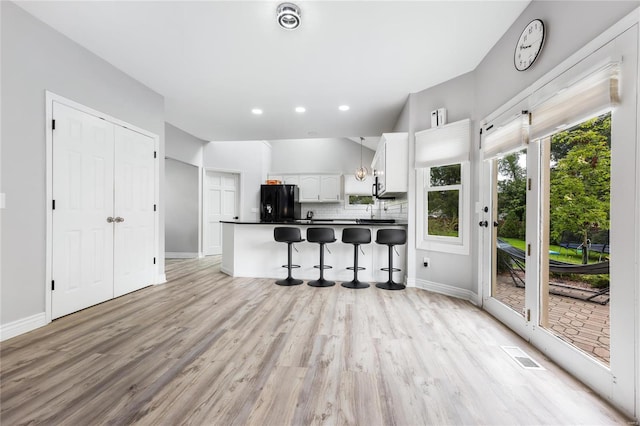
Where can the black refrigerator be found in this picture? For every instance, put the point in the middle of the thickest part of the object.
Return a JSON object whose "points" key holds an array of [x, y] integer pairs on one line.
{"points": [[279, 203]]}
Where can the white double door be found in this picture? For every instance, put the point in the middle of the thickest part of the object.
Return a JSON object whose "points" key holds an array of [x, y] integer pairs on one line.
{"points": [[103, 235]]}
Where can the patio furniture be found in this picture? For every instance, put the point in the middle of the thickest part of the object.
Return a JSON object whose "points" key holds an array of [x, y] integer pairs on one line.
{"points": [[514, 261]]}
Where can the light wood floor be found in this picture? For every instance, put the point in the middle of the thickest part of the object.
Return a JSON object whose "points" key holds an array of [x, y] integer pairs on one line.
{"points": [[208, 349]]}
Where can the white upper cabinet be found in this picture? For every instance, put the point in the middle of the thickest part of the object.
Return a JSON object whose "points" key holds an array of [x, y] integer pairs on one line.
{"points": [[353, 186], [390, 164], [309, 188], [319, 188]]}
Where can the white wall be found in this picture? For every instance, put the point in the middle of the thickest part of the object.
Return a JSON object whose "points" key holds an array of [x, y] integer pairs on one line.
{"points": [[182, 203], [250, 159], [35, 58], [318, 155]]}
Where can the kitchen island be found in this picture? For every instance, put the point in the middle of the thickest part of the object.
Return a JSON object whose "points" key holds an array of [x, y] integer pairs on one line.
{"points": [[249, 250]]}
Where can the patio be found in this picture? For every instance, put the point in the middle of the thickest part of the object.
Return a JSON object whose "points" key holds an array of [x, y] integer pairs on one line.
{"points": [[580, 323]]}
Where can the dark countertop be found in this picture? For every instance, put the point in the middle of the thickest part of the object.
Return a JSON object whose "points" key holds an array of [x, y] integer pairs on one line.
{"points": [[321, 222]]}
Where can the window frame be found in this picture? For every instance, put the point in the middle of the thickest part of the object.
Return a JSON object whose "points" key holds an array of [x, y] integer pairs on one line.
{"points": [[455, 245]]}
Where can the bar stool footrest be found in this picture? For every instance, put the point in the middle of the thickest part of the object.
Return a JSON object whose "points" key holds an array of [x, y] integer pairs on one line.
{"points": [[324, 267], [391, 269], [292, 266], [351, 268]]}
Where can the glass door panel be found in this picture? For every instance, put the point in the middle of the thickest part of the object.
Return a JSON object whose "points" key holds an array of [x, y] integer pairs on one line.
{"points": [[574, 288], [508, 230]]}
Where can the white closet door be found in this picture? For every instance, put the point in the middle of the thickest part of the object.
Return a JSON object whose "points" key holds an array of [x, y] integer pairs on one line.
{"points": [[133, 211], [82, 262], [220, 204]]}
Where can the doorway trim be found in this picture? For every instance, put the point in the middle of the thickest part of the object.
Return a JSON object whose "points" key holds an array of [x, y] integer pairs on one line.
{"points": [[50, 98]]}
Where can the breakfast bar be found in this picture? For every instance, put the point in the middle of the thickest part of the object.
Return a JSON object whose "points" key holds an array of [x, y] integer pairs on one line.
{"points": [[249, 250]]}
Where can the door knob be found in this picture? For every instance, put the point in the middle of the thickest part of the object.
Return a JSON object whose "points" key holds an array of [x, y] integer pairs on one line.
{"points": [[118, 219], [482, 223], [109, 219]]}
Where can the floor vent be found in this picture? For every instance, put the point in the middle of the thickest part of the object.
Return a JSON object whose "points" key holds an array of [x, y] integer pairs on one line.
{"points": [[523, 360]]}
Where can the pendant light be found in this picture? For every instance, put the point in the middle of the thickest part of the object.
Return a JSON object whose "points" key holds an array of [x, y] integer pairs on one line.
{"points": [[361, 172]]}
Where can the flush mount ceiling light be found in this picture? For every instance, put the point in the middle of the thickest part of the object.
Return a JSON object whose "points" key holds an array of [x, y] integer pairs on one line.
{"points": [[288, 16], [256, 111], [300, 109], [343, 107], [361, 172]]}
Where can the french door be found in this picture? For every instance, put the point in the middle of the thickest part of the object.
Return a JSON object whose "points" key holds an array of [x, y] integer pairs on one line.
{"points": [[103, 222], [559, 224]]}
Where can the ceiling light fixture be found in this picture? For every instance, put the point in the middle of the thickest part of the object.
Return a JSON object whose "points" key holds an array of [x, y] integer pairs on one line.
{"points": [[343, 107], [256, 111], [288, 16], [361, 172], [300, 109]]}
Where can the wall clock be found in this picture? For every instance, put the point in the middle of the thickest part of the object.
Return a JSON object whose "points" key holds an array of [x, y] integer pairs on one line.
{"points": [[529, 45]]}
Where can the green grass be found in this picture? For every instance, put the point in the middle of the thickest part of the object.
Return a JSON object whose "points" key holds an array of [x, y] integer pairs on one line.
{"points": [[569, 256]]}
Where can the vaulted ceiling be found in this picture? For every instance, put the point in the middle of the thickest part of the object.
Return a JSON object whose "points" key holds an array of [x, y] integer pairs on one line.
{"points": [[215, 61]]}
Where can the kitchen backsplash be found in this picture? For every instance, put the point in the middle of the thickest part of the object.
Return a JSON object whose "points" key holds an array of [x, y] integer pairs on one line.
{"points": [[382, 209]]}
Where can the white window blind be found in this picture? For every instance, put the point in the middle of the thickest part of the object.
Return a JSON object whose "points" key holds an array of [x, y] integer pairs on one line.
{"points": [[511, 135], [587, 98], [443, 145]]}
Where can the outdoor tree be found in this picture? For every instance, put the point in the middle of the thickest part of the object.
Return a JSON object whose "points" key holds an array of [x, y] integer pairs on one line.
{"points": [[580, 180], [512, 195]]}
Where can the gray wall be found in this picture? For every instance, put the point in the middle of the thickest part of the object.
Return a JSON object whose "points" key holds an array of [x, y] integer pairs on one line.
{"points": [[457, 96], [340, 155], [35, 58], [570, 25], [182, 202], [183, 146]]}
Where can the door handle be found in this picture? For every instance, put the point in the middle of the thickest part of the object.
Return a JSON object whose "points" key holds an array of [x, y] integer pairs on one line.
{"points": [[484, 223], [110, 219], [118, 219], [495, 224]]}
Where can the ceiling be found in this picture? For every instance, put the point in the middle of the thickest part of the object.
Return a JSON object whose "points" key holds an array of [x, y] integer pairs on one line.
{"points": [[214, 61]]}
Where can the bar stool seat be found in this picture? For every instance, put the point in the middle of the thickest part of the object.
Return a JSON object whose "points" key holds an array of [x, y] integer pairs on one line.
{"points": [[321, 236], [391, 238], [356, 236], [289, 235]]}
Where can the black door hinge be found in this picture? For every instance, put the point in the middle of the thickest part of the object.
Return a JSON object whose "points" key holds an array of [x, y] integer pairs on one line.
{"points": [[154, 260], [154, 207], [155, 154], [53, 285], [53, 124], [53, 204]]}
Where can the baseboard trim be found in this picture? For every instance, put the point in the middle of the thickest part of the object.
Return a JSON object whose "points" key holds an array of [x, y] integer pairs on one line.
{"points": [[180, 255], [21, 326], [447, 290]]}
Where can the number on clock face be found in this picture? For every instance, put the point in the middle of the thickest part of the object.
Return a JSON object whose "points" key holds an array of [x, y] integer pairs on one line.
{"points": [[529, 45]]}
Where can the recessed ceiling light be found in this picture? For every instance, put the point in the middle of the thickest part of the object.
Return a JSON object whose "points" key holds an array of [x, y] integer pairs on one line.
{"points": [[300, 109], [288, 16], [256, 111], [343, 107]]}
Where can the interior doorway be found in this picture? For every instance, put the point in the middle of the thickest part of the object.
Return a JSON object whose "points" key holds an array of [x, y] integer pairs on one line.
{"points": [[220, 203]]}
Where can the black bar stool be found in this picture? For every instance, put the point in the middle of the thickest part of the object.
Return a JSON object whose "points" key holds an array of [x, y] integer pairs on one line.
{"points": [[356, 236], [391, 238], [321, 236], [289, 235]]}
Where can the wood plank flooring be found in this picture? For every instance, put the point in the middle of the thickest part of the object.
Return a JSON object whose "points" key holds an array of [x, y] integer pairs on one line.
{"points": [[206, 349]]}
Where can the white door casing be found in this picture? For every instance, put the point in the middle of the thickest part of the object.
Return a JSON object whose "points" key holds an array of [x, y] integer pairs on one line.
{"points": [[134, 205], [220, 204], [82, 261]]}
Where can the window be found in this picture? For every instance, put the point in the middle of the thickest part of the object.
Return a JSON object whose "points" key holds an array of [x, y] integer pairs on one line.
{"points": [[352, 201], [443, 192], [443, 208]]}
